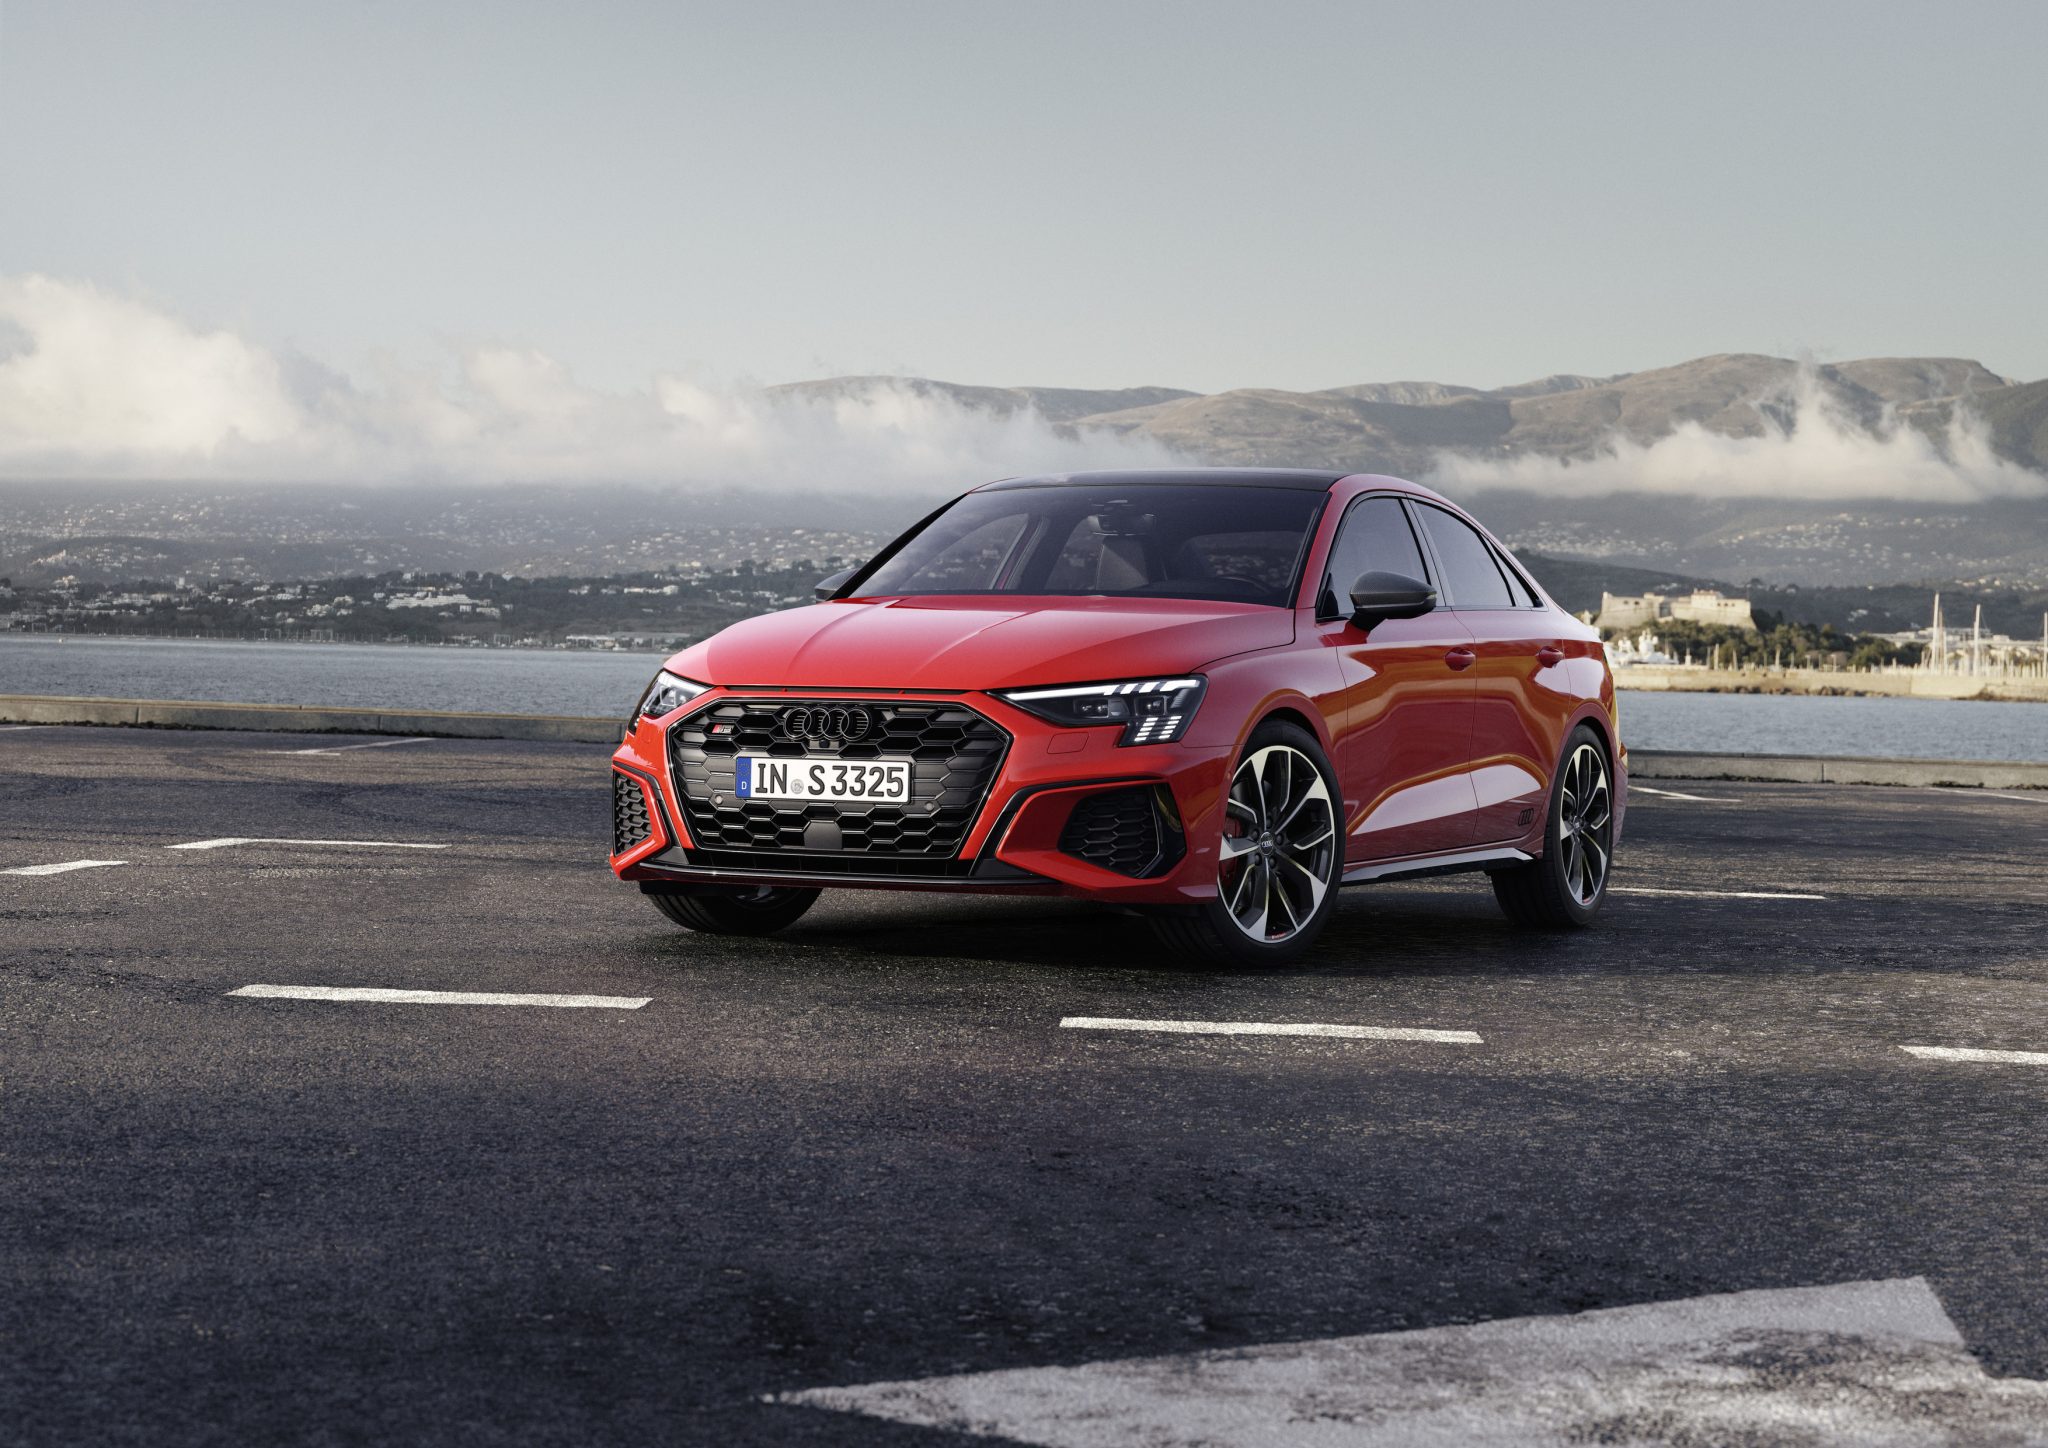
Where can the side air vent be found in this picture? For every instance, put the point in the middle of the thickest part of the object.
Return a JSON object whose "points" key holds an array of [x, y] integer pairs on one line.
{"points": [[630, 825]]}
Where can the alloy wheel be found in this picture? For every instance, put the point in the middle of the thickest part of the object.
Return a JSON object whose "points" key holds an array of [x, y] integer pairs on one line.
{"points": [[1585, 830], [1279, 844]]}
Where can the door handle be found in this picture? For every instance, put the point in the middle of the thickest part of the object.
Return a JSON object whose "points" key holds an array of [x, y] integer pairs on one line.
{"points": [[1547, 655], [1461, 658]]}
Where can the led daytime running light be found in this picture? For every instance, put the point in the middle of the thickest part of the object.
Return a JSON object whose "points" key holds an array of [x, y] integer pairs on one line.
{"points": [[1152, 711]]}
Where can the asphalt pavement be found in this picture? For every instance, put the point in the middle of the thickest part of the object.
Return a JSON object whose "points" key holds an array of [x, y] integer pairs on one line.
{"points": [[728, 1186]]}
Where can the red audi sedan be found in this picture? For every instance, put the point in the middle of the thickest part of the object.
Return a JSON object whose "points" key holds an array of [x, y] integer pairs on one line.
{"points": [[1213, 695]]}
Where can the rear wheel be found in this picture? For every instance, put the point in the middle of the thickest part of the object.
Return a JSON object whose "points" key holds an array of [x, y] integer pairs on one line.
{"points": [[1278, 861], [737, 910], [1565, 887]]}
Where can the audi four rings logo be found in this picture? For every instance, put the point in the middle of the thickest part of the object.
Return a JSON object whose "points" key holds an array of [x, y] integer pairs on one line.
{"points": [[832, 723]]}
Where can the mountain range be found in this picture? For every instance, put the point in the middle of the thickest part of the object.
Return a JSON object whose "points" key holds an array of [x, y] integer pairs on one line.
{"points": [[1677, 529], [1405, 427]]}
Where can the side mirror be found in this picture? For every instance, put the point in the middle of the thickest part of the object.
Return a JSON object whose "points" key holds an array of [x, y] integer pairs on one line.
{"points": [[1376, 596], [829, 587]]}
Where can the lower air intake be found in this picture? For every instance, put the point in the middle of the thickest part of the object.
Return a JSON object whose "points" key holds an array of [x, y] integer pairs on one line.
{"points": [[1124, 830]]}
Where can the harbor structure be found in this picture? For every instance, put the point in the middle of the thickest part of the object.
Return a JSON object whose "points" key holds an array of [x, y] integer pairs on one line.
{"points": [[1971, 653]]}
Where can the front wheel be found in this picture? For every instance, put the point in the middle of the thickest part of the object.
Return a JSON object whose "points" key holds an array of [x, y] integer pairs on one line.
{"points": [[1565, 887], [1278, 861], [737, 910]]}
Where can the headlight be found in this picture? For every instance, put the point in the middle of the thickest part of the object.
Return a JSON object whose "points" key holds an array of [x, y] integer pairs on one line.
{"points": [[1152, 711], [668, 693]]}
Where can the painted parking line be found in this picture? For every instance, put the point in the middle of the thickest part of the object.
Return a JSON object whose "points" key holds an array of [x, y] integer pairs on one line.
{"points": [[1976, 1053], [1266, 1028], [1711, 894], [1858, 1362], [345, 748], [222, 844], [64, 868], [439, 997], [1673, 794]]}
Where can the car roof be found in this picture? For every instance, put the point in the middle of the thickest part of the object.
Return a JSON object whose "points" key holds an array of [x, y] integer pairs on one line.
{"points": [[1311, 480]]}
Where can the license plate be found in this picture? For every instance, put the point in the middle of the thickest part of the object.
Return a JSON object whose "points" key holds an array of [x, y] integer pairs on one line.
{"points": [[827, 781]]}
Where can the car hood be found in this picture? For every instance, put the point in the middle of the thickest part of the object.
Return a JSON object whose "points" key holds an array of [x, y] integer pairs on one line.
{"points": [[977, 643]]}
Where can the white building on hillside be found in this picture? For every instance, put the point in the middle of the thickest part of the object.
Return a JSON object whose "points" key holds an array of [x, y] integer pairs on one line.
{"points": [[1622, 611]]}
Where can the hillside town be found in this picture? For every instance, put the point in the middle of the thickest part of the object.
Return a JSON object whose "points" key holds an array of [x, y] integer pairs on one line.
{"points": [[472, 609]]}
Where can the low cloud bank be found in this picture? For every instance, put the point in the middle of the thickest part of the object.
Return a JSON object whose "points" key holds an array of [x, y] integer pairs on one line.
{"points": [[1819, 453], [95, 385]]}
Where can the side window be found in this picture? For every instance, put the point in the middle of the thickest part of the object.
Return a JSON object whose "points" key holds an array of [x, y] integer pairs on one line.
{"points": [[1375, 538], [1524, 595], [1471, 577]]}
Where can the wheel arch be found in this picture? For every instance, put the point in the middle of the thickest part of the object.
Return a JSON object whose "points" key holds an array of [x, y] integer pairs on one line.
{"points": [[1291, 714], [1595, 718]]}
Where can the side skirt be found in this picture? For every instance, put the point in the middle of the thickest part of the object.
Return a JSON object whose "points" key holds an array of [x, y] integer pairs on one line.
{"points": [[1488, 859]]}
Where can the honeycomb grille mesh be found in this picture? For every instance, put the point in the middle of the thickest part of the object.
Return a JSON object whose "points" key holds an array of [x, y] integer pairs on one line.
{"points": [[1118, 830], [955, 754], [630, 825]]}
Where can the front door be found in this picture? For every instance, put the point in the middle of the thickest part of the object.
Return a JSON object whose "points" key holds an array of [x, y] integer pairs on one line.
{"points": [[1404, 741]]}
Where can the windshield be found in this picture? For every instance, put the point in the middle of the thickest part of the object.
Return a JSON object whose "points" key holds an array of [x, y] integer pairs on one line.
{"points": [[1208, 542]]}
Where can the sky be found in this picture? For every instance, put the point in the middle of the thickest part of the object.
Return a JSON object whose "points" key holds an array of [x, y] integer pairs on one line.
{"points": [[428, 239], [1199, 194]]}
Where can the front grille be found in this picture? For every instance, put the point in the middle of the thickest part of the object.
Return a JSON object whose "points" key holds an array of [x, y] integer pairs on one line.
{"points": [[630, 825], [955, 754], [1122, 830]]}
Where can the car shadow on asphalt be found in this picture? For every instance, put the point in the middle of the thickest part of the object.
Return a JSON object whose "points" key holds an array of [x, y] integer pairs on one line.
{"points": [[1443, 929], [1434, 933]]}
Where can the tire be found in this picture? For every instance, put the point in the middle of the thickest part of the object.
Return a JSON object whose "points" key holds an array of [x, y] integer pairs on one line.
{"points": [[1564, 888], [1293, 850], [737, 910]]}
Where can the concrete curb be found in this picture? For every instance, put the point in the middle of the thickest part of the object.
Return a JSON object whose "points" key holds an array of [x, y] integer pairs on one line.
{"points": [[305, 719], [1815, 769]]}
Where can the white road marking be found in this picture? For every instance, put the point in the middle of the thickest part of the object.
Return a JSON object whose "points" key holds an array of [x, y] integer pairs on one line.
{"points": [[1261, 1028], [1870, 1363], [63, 868], [222, 844], [344, 748], [1635, 788], [1710, 894], [16, 728], [1976, 1053], [439, 997], [2024, 798]]}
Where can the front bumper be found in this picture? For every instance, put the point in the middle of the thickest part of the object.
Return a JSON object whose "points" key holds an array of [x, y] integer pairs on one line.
{"points": [[1061, 811]]}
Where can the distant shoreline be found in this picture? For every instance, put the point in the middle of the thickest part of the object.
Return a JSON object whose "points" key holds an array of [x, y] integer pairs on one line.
{"points": [[1829, 683], [463, 646]]}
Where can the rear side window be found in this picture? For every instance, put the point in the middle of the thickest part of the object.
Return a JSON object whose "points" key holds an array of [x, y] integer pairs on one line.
{"points": [[1471, 577], [1375, 538], [1525, 596]]}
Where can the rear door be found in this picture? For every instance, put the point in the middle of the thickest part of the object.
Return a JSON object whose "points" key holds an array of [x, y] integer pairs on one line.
{"points": [[1519, 705], [1404, 737]]}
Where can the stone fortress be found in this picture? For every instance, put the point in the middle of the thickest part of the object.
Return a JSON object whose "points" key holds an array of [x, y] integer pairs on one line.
{"points": [[1624, 611]]}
